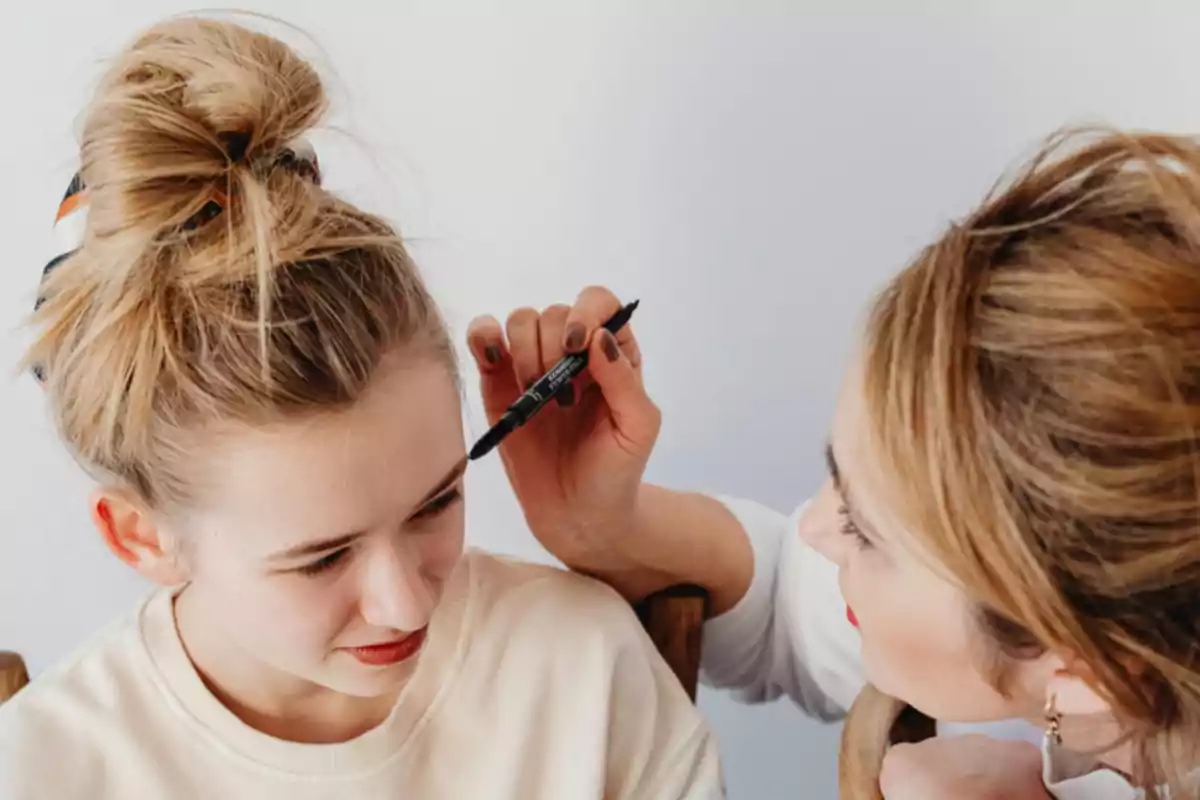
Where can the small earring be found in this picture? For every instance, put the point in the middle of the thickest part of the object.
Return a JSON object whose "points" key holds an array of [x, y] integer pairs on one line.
{"points": [[1053, 722]]}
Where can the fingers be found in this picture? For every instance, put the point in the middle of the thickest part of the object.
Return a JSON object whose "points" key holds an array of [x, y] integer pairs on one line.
{"points": [[498, 382], [485, 338], [524, 344], [536, 342], [592, 309], [550, 336], [634, 414]]}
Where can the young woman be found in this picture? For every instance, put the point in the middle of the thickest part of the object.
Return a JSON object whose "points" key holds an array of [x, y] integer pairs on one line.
{"points": [[1013, 511], [254, 372]]}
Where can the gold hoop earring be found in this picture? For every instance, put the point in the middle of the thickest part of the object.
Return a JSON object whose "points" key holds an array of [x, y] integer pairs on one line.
{"points": [[1053, 721]]}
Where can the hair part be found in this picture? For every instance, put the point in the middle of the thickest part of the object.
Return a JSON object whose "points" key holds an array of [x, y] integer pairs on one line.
{"points": [[1032, 383], [163, 323]]}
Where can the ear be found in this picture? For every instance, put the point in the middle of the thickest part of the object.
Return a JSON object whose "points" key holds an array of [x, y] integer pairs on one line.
{"points": [[135, 537], [1072, 685]]}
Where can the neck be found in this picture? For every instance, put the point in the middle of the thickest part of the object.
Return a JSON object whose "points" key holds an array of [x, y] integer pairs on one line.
{"points": [[265, 698]]}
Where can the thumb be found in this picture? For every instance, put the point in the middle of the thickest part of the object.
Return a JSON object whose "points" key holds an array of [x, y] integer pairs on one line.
{"points": [[634, 414]]}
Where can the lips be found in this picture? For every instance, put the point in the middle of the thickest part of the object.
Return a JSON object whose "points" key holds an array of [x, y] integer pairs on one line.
{"points": [[850, 616], [388, 653]]}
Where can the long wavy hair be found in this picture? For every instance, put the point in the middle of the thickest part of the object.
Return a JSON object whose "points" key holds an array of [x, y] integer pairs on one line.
{"points": [[1032, 385]]}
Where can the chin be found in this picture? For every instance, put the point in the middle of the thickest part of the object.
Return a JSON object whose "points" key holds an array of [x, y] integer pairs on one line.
{"points": [[931, 699], [921, 696], [368, 682]]}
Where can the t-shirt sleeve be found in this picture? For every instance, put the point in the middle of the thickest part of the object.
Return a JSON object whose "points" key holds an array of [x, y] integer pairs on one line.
{"points": [[789, 634]]}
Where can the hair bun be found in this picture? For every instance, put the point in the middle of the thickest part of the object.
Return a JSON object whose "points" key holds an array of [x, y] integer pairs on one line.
{"points": [[190, 102]]}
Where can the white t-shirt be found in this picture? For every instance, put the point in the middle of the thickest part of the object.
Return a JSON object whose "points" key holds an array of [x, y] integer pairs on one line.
{"points": [[789, 636], [533, 683]]}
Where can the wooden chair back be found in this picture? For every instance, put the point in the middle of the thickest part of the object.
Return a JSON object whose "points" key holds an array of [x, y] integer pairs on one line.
{"points": [[13, 675], [674, 619]]}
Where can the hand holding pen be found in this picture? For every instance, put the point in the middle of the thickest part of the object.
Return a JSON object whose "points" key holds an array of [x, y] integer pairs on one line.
{"points": [[577, 464]]}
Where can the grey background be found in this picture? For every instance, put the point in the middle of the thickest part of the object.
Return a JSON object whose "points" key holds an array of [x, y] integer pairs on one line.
{"points": [[750, 170]]}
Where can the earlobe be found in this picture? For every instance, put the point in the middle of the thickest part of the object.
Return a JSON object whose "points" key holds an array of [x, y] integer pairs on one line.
{"points": [[133, 536]]}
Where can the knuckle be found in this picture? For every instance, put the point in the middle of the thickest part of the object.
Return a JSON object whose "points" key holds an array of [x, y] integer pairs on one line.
{"points": [[522, 318], [483, 326], [597, 294]]}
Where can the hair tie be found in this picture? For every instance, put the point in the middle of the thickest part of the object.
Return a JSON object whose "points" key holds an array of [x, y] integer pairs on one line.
{"points": [[236, 143]]}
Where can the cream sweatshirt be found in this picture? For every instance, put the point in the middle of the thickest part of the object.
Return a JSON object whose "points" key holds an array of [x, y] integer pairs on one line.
{"points": [[534, 683]]}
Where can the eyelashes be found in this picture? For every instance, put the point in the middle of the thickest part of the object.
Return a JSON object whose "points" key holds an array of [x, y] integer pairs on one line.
{"points": [[432, 509], [849, 527], [324, 563], [439, 504]]}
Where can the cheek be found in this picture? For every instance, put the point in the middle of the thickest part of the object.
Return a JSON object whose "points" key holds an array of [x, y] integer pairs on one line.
{"points": [[283, 618], [917, 644], [442, 546]]}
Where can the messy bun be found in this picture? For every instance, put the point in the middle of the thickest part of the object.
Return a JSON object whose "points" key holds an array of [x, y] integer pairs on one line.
{"points": [[216, 278]]}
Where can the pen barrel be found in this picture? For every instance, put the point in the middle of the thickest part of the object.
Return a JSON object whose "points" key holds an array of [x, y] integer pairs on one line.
{"points": [[546, 387]]}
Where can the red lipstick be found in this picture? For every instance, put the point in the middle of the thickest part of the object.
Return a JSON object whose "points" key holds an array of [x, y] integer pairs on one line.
{"points": [[388, 653], [850, 616]]}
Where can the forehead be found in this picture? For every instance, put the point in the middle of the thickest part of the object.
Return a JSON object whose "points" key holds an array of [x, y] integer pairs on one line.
{"points": [[867, 486], [351, 470]]}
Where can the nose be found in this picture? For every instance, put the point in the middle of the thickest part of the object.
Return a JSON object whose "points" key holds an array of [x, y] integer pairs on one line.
{"points": [[396, 593], [821, 525]]}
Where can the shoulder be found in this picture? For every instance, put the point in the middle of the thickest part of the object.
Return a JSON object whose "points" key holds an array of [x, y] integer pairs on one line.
{"points": [[514, 589], [69, 714], [558, 614]]}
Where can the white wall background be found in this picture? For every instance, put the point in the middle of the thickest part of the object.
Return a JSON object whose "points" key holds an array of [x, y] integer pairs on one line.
{"points": [[751, 170]]}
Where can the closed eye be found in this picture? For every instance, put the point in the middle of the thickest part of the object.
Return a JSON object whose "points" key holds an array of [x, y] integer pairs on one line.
{"points": [[438, 504], [850, 528], [324, 563]]}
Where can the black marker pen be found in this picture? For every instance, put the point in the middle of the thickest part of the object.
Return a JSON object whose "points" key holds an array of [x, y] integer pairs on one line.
{"points": [[544, 390]]}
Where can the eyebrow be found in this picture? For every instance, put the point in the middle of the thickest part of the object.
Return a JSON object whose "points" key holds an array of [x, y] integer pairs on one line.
{"points": [[338, 542], [839, 483]]}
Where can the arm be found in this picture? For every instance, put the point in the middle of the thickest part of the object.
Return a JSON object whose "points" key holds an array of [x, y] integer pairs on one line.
{"points": [[687, 538], [778, 625]]}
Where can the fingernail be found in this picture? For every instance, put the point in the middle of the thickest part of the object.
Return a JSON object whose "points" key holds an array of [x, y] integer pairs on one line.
{"points": [[576, 333], [609, 344], [492, 354], [566, 396]]}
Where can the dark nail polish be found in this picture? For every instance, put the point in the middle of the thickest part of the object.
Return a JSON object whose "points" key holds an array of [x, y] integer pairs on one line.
{"points": [[492, 354], [566, 396], [576, 333], [608, 343]]}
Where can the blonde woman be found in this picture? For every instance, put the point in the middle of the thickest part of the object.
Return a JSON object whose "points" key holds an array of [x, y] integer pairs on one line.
{"points": [[254, 372], [1011, 529]]}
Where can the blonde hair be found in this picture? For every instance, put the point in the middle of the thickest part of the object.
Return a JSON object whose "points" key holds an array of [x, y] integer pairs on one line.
{"points": [[1033, 386], [283, 303]]}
